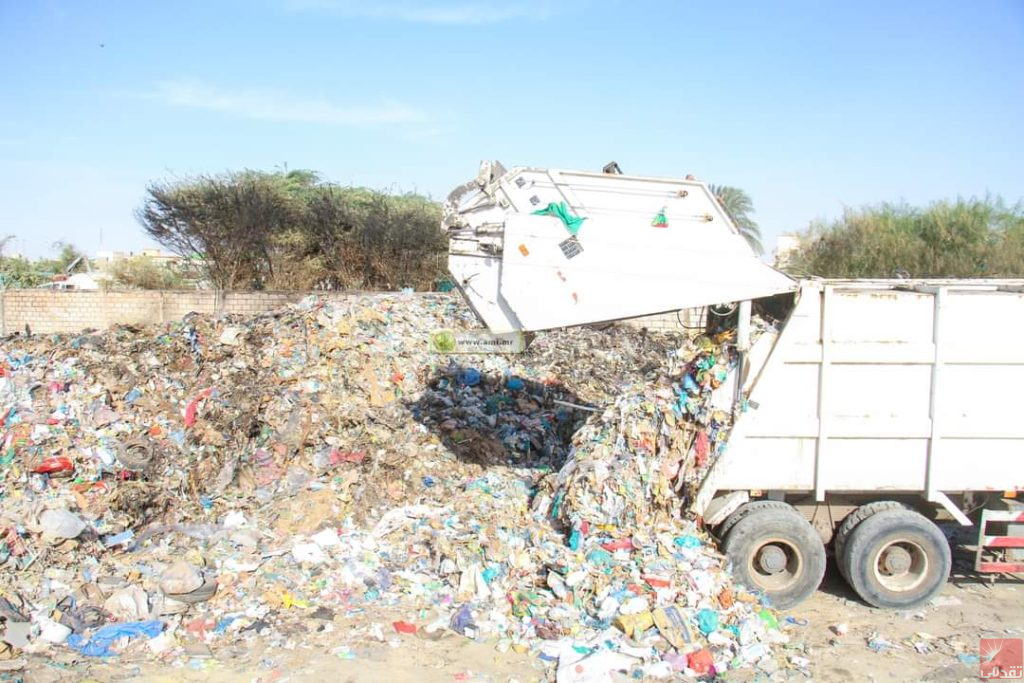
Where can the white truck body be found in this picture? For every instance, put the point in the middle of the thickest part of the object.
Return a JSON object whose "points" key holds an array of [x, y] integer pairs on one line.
{"points": [[884, 386], [518, 273]]}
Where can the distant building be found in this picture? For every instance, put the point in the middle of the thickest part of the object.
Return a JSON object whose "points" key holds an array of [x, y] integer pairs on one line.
{"points": [[104, 259], [78, 282]]}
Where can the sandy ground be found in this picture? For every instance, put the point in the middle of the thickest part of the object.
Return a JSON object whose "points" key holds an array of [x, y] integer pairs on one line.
{"points": [[970, 607]]}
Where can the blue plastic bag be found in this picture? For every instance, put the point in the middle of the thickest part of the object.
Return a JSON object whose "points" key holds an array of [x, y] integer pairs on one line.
{"points": [[687, 541], [462, 620], [469, 377], [98, 645], [707, 621]]}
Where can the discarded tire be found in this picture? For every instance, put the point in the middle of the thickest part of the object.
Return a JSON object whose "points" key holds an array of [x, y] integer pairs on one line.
{"points": [[897, 559], [777, 552]]}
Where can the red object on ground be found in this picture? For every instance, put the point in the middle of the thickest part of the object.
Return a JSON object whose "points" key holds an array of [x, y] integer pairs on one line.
{"points": [[356, 457], [404, 627], [193, 406], [701, 447], [700, 661], [620, 544], [54, 465], [200, 626], [86, 486], [657, 581]]}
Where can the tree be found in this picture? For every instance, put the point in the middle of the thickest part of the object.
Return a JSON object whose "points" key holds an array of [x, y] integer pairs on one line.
{"points": [[19, 272], [962, 238], [739, 206], [142, 272], [291, 230], [353, 238], [226, 219], [67, 254]]}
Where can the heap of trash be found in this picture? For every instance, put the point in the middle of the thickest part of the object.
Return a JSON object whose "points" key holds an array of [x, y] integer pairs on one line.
{"points": [[201, 488]]}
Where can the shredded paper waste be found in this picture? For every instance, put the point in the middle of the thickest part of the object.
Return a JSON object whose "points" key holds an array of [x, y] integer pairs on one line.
{"points": [[316, 473]]}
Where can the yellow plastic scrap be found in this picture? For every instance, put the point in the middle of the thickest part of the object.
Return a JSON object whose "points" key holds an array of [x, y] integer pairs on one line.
{"points": [[288, 601]]}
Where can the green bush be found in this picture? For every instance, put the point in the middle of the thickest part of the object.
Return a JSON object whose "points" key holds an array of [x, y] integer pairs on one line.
{"points": [[962, 238], [141, 272]]}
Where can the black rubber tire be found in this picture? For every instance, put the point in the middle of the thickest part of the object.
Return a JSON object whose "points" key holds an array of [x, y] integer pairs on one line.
{"points": [[929, 549], [850, 522], [742, 511], [805, 554]]}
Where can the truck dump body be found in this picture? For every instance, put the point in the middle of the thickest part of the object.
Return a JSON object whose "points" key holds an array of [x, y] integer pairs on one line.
{"points": [[606, 247], [885, 386]]}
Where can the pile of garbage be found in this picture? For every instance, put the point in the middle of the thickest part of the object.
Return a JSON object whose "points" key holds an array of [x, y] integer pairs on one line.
{"points": [[648, 453], [199, 488]]}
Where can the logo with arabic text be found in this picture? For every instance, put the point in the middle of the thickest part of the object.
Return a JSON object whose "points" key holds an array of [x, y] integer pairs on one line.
{"points": [[1002, 659]]}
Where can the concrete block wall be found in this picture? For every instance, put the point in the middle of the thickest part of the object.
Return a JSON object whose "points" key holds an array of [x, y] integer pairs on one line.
{"points": [[46, 311], [673, 321]]}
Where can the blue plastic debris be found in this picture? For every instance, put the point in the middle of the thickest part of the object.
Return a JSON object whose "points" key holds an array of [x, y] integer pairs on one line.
{"points": [[707, 621], [469, 377], [688, 542], [98, 645]]}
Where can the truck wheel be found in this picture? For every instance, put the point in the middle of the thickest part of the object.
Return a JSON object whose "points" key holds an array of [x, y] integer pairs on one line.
{"points": [[725, 527], [778, 552], [897, 559], [850, 523]]}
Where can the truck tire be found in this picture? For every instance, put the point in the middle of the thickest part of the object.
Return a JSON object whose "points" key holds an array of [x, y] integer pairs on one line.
{"points": [[897, 559], [850, 523], [777, 552], [747, 508]]}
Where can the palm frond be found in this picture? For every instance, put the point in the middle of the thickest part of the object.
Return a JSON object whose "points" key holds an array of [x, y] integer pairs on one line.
{"points": [[738, 206]]}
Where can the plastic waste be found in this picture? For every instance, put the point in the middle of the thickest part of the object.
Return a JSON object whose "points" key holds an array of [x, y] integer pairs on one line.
{"points": [[52, 631], [100, 642], [179, 578], [469, 377], [707, 621], [462, 621], [688, 542], [128, 604], [61, 524], [595, 668], [404, 627], [701, 662], [55, 465]]}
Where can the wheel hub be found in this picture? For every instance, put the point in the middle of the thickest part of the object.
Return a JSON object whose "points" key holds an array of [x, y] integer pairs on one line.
{"points": [[771, 559], [896, 560]]}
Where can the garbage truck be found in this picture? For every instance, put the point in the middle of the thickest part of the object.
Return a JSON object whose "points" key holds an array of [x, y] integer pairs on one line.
{"points": [[871, 411]]}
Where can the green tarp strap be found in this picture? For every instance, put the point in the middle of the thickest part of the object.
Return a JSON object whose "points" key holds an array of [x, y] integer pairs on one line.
{"points": [[562, 212]]}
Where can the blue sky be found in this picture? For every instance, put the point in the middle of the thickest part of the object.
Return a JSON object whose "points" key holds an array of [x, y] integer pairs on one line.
{"points": [[809, 106]]}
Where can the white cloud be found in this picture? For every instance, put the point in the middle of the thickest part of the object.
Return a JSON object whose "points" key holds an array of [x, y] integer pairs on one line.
{"points": [[467, 12], [272, 105]]}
